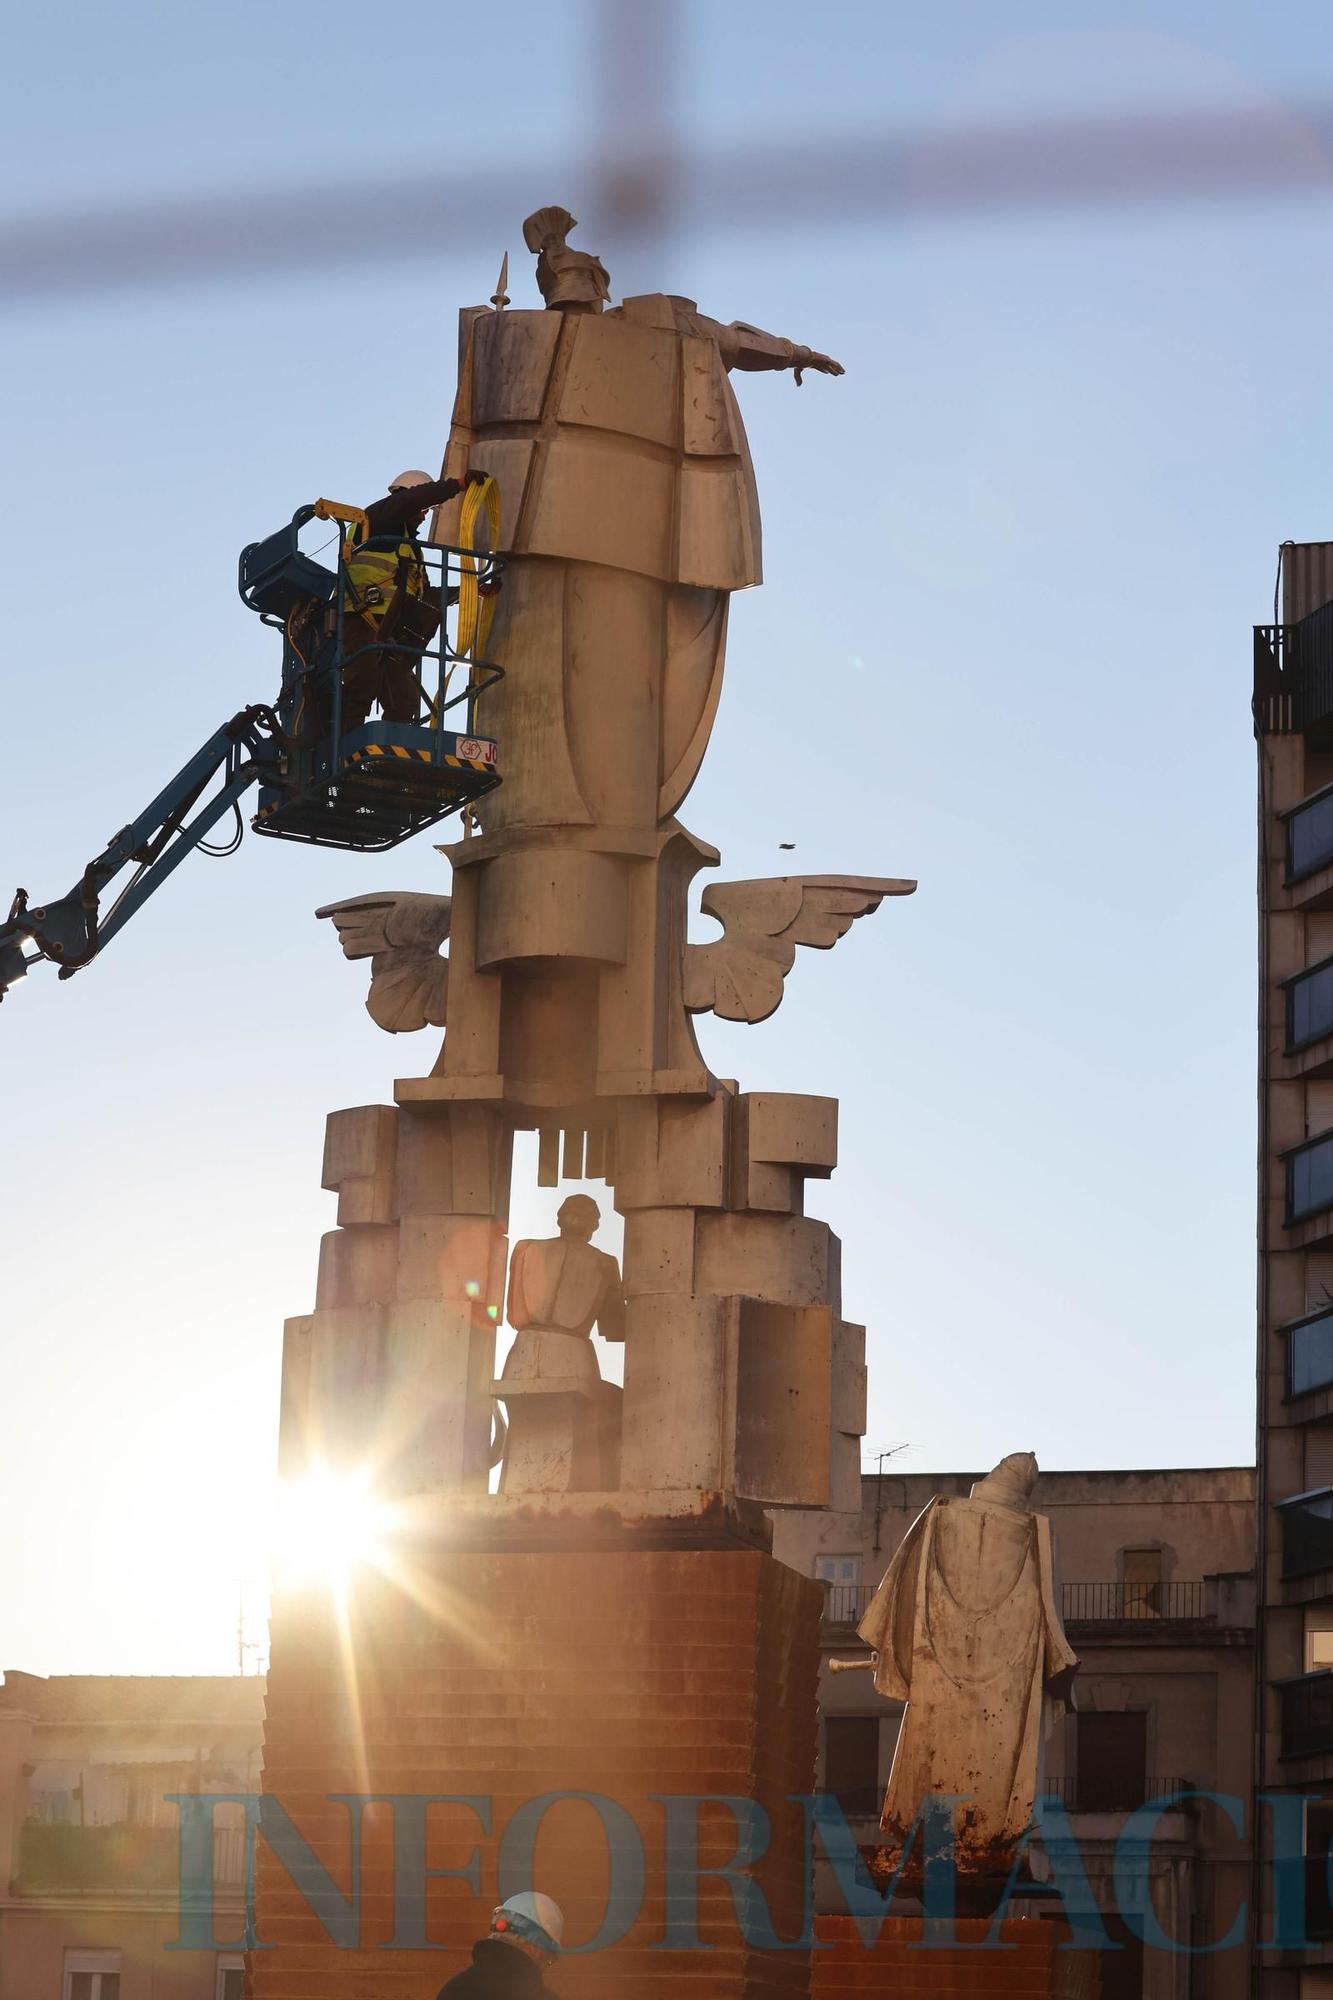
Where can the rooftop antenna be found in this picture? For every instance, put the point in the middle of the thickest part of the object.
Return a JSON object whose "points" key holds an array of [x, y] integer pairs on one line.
{"points": [[500, 296]]}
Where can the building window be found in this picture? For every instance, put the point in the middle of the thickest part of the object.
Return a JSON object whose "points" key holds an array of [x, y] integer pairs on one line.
{"points": [[1318, 1643], [231, 1978], [1310, 1178], [1305, 1709], [1318, 1837], [92, 1975], [1111, 1751], [1310, 1005], [1141, 1576], [1310, 1353], [1307, 1532], [851, 1763], [1310, 836]]}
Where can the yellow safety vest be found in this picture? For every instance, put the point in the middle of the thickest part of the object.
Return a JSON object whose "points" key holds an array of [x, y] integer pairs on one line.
{"points": [[373, 577]]}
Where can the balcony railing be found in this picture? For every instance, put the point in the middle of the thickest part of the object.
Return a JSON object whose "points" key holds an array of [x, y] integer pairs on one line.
{"points": [[1306, 1710], [845, 1603], [1113, 1603], [1087, 1603], [1293, 674], [1118, 1791]]}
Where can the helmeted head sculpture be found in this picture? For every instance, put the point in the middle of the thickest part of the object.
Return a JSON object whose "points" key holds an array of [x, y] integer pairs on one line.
{"points": [[570, 280]]}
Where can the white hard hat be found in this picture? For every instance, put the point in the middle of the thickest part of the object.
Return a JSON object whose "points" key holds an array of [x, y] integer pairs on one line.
{"points": [[409, 478], [533, 1917]]}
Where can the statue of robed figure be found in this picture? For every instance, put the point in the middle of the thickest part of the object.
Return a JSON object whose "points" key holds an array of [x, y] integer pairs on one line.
{"points": [[967, 1631]]}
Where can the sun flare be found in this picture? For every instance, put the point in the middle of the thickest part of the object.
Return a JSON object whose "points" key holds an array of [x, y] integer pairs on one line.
{"points": [[329, 1525]]}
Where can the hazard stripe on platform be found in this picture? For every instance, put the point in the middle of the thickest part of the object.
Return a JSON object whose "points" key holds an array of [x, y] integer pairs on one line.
{"points": [[398, 750], [390, 749]]}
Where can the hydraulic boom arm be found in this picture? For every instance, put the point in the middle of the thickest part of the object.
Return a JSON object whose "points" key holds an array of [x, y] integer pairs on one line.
{"points": [[73, 930]]}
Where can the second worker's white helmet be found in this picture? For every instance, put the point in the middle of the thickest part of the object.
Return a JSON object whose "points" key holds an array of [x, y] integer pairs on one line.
{"points": [[534, 1918], [409, 478]]}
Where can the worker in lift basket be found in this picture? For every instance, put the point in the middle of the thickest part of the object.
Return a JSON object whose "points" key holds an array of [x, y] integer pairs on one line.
{"points": [[384, 604], [508, 1964]]}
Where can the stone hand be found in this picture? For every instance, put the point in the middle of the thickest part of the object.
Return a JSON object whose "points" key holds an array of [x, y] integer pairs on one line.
{"points": [[809, 357]]}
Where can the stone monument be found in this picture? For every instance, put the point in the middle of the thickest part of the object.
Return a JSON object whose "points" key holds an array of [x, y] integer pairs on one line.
{"points": [[628, 1546], [966, 1630]]}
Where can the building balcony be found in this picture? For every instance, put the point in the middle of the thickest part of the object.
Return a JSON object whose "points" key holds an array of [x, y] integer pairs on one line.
{"points": [[1293, 677], [1118, 1792], [117, 1860], [1306, 1715]]}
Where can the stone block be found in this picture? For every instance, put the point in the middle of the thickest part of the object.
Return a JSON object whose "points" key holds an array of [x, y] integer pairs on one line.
{"points": [[359, 1151], [778, 1140], [460, 1258], [782, 1259], [845, 1473], [482, 1153], [641, 401], [849, 1378], [357, 1266], [552, 903], [784, 1375], [672, 1155], [439, 1358], [660, 1251], [676, 1393], [339, 1423], [424, 1177], [294, 1397]]}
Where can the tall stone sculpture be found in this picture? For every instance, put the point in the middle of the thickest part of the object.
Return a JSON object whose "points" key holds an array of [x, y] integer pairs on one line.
{"points": [[640, 1579], [967, 1631], [630, 514]]}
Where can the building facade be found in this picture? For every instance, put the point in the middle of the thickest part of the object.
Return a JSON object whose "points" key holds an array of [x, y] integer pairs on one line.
{"points": [[1158, 1595], [1293, 717], [89, 1905]]}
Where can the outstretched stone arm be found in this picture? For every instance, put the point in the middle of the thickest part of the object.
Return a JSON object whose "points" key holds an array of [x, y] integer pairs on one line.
{"points": [[749, 347]]}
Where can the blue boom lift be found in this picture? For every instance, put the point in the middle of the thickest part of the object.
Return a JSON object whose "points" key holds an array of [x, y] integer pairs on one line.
{"points": [[365, 787]]}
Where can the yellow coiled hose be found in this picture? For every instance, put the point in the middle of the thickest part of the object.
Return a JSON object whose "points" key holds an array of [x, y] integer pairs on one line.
{"points": [[475, 612]]}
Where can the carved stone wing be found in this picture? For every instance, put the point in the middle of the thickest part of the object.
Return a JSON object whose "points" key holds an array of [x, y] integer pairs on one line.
{"points": [[740, 976], [401, 935]]}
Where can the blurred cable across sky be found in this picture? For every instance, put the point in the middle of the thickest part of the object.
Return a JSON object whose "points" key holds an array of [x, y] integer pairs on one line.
{"points": [[868, 177], [642, 179]]}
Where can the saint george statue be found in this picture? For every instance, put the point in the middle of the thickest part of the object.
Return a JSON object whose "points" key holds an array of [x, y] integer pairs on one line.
{"points": [[967, 1632], [563, 1419]]}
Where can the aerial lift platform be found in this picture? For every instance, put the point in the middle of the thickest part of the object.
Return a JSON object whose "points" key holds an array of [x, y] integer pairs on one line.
{"points": [[367, 786]]}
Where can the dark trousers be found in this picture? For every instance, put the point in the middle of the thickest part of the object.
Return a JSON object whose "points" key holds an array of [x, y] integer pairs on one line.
{"points": [[386, 677]]}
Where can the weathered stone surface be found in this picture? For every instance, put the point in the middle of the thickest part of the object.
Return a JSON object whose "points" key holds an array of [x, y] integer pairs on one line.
{"points": [[482, 1682]]}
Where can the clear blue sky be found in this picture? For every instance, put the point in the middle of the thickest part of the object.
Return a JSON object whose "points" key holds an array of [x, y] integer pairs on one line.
{"points": [[1003, 646]]}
